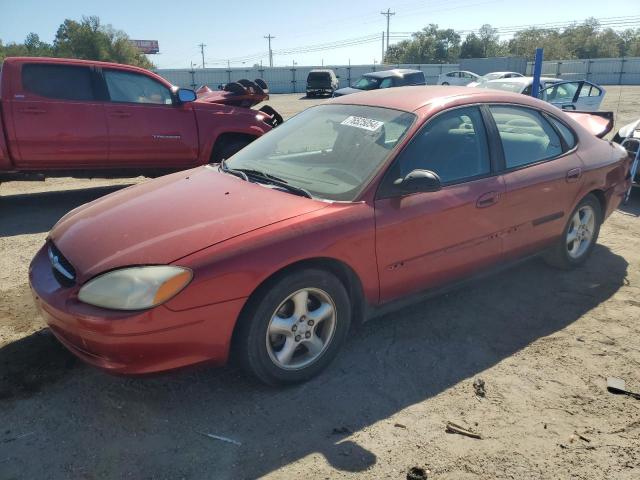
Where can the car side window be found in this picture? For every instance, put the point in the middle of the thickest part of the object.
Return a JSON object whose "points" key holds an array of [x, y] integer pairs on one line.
{"points": [[567, 134], [62, 82], [386, 83], [453, 145], [525, 135], [135, 88]]}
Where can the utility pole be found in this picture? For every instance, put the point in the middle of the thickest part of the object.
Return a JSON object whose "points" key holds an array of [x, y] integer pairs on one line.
{"points": [[202, 45], [193, 76], [388, 14], [382, 57], [269, 37]]}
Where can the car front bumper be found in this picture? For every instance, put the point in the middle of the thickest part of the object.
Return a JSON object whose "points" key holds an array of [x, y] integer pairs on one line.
{"points": [[135, 342]]}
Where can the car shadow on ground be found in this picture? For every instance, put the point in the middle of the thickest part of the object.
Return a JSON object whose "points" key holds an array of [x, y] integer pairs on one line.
{"points": [[632, 207], [38, 212], [153, 427]]}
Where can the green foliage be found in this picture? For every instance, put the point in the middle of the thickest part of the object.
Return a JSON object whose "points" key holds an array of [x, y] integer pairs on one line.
{"points": [[430, 45], [87, 39], [585, 40]]}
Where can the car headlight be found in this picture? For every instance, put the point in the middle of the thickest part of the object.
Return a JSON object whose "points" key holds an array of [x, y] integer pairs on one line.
{"points": [[135, 288]]}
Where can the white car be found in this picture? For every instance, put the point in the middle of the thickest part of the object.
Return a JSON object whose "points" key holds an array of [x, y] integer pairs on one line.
{"points": [[568, 95], [459, 78], [494, 76]]}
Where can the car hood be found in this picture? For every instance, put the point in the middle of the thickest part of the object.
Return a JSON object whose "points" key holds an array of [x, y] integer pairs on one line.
{"points": [[347, 91], [162, 220]]}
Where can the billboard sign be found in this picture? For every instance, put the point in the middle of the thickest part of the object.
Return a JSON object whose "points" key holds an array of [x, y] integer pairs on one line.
{"points": [[146, 46]]}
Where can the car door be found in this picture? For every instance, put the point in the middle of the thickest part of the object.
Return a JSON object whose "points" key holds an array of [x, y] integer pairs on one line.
{"points": [[147, 126], [427, 239], [58, 121], [576, 95], [589, 98], [542, 174]]}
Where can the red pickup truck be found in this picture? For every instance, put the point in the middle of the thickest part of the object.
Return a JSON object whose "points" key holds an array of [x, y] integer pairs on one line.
{"points": [[69, 117]]}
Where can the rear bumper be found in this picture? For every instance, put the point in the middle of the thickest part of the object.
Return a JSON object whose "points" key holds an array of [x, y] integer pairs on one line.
{"points": [[132, 342]]}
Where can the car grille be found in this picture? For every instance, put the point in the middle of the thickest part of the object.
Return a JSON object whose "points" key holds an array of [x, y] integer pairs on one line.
{"points": [[62, 268]]}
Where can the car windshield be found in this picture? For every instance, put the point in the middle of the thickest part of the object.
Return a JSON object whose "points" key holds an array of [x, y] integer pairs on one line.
{"points": [[367, 83], [332, 151], [505, 86]]}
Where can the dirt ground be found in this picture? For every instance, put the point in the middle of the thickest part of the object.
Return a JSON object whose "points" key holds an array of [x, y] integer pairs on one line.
{"points": [[543, 341]]}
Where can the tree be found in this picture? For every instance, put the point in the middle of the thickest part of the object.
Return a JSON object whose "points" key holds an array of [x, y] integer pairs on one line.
{"points": [[472, 47], [490, 40], [87, 39], [429, 45]]}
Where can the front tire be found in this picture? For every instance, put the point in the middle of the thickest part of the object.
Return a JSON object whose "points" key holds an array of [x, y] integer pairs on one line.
{"points": [[445, 83], [578, 237], [294, 327]]}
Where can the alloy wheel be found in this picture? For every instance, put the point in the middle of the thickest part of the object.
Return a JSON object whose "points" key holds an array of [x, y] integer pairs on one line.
{"points": [[301, 329], [580, 232]]}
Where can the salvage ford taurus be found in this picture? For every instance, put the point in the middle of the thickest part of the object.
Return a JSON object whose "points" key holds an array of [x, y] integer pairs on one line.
{"points": [[275, 253]]}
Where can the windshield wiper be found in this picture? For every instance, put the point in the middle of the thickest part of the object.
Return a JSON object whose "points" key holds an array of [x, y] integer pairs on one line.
{"points": [[223, 167], [272, 179]]}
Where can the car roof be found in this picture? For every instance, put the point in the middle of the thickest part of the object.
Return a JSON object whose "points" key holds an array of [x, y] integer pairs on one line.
{"points": [[321, 70], [524, 80], [396, 72], [410, 99], [499, 73]]}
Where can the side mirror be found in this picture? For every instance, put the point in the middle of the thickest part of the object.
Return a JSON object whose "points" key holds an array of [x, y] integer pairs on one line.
{"points": [[186, 95], [419, 181]]}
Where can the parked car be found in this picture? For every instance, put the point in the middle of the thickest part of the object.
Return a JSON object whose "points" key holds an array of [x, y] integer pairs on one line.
{"points": [[348, 207], [458, 78], [494, 76], [571, 95], [398, 77], [321, 82], [74, 116]]}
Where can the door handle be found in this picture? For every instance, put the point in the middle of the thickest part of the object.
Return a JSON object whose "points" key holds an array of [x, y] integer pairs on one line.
{"points": [[487, 199], [33, 110], [573, 175], [120, 114]]}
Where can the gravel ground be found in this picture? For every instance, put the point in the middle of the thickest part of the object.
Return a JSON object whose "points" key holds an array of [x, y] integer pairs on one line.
{"points": [[542, 340]]}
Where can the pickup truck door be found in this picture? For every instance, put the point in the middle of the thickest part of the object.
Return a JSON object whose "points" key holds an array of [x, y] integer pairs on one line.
{"points": [[147, 126], [58, 123]]}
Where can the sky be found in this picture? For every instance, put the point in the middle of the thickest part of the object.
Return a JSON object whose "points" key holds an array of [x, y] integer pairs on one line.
{"points": [[235, 31]]}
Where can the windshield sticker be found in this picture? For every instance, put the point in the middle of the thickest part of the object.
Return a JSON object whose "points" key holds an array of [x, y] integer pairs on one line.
{"points": [[361, 122]]}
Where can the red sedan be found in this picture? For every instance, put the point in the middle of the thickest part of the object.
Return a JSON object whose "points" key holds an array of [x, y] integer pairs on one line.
{"points": [[274, 254]]}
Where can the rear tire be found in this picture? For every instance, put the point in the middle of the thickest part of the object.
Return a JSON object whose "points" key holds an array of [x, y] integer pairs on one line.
{"points": [[294, 327], [445, 83], [578, 237]]}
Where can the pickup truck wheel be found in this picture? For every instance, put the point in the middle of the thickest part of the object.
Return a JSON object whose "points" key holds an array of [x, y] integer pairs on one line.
{"points": [[578, 237], [294, 328], [229, 148]]}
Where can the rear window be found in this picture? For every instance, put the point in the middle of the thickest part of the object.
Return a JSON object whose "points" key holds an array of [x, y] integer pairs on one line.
{"points": [[319, 76], [62, 82]]}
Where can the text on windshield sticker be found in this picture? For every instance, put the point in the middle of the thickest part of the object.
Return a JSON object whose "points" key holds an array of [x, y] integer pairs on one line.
{"points": [[361, 122]]}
